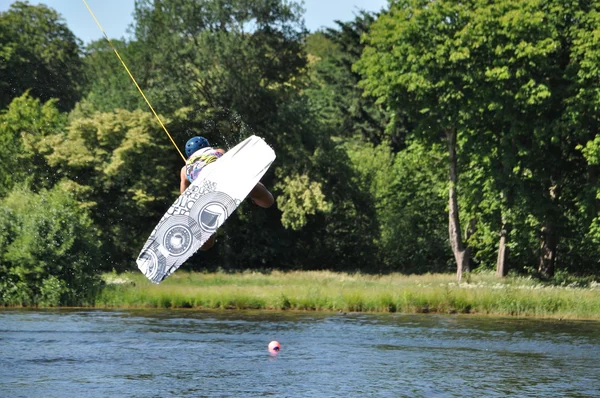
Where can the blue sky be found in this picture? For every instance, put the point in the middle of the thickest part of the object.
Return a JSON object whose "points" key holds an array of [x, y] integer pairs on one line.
{"points": [[115, 15]]}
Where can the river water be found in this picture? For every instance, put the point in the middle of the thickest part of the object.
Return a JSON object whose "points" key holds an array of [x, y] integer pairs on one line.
{"points": [[185, 353]]}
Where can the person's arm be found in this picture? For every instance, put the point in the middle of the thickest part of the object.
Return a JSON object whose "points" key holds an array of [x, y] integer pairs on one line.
{"points": [[184, 183]]}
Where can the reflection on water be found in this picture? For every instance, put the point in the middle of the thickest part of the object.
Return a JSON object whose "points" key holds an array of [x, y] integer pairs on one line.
{"points": [[60, 353]]}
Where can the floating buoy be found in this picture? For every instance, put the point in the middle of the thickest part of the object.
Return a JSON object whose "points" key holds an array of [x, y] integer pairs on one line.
{"points": [[274, 347]]}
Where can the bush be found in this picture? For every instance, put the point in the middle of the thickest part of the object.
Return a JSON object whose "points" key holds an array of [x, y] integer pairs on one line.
{"points": [[48, 250]]}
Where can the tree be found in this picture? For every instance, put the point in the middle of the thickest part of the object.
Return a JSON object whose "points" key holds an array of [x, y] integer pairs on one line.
{"points": [[121, 167], [233, 54], [499, 79], [108, 85], [419, 69], [334, 91], [582, 108], [530, 121], [48, 249], [26, 128], [39, 53], [237, 67], [407, 189]]}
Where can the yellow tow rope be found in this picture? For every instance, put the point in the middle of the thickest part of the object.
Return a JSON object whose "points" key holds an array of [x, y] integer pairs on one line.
{"points": [[135, 82]]}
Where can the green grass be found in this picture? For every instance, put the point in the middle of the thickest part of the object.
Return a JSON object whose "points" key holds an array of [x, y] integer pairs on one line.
{"points": [[328, 291]]}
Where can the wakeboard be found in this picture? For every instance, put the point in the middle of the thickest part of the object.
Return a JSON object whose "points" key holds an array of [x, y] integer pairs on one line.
{"points": [[203, 207]]}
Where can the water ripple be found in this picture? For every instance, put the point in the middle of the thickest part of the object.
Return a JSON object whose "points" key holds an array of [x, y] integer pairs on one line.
{"points": [[60, 353]]}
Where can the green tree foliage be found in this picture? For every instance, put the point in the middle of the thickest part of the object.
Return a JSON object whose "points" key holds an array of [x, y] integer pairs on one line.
{"points": [[334, 91], [26, 128], [534, 165], [108, 85], [505, 76], [321, 221], [343, 238], [235, 68], [530, 123], [419, 69], [235, 54], [38, 52], [509, 88], [48, 249], [303, 198], [408, 190], [122, 167]]}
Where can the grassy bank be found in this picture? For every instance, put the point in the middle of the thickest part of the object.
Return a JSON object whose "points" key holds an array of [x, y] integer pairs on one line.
{"points": [[328, 291]]}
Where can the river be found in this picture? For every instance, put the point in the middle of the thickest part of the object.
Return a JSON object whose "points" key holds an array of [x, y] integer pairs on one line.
{"points": [[186, 353]]}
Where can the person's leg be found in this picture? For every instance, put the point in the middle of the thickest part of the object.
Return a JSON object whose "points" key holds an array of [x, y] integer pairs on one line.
{"points": [[261, 196]]}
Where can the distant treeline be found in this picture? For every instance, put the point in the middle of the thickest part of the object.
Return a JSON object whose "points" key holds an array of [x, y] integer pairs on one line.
{"points": [[432, 137]]}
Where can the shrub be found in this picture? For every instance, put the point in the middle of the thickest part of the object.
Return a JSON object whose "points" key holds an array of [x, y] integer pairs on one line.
{"points": [[48, 249]]}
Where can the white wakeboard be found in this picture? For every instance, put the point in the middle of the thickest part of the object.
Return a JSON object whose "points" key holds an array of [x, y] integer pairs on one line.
{"points": [[203, 207]]}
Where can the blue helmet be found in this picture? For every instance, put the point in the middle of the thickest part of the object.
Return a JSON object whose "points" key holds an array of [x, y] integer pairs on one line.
{"points": [[194, 144]]}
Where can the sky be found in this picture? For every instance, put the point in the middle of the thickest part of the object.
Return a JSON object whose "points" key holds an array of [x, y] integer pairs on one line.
{"points": [[116, 15]]}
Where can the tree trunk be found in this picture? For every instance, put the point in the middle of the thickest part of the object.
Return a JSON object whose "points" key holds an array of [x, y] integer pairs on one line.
{"points": [[548, 251], [461, 253], [549, 237], [502, 262], [470, 230]]}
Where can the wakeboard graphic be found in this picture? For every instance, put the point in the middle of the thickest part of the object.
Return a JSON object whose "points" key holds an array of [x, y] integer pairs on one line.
{"points": [[203, 207]]}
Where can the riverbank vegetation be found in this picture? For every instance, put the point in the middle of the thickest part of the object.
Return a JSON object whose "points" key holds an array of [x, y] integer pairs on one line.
{"points": [[481, 293], [429, 138]]}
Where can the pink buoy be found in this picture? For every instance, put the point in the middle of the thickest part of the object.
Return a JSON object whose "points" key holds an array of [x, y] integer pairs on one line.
{"points": [[274, 347]]}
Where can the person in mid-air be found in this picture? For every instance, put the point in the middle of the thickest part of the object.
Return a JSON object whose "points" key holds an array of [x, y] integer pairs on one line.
{"points": [[199, 154]]}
